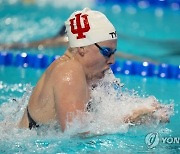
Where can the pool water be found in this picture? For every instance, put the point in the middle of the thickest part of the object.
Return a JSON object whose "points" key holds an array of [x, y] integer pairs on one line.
{"points": [[50, 140], [22, 22]]}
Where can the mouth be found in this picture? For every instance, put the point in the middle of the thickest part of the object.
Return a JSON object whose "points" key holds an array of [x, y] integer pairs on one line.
{"points": [[105, 70], [102, 74]]}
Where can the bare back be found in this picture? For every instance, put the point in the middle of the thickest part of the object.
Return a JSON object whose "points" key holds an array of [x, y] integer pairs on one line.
{"points": [[44, 105]]}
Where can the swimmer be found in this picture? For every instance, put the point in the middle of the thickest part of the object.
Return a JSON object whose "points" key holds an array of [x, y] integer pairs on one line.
{"points": [[59, 40], [63, 91]]}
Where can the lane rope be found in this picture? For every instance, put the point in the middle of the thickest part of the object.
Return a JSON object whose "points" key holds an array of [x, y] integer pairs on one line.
{"points": [[127, 67], [173, 4]]}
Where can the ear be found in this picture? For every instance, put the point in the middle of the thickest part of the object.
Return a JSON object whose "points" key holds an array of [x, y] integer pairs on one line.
{"points": [[81, 51]]}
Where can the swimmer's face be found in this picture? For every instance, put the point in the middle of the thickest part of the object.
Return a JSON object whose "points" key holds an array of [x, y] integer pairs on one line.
{"points": [[100, 63]]}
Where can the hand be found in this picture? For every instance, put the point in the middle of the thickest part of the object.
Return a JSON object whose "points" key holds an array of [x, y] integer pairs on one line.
{"points": [[162, 114], [142, 111], [137, 114]]}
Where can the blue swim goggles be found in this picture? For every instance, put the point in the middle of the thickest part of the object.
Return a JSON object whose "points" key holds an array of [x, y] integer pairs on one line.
{"points": [[105, 51]]}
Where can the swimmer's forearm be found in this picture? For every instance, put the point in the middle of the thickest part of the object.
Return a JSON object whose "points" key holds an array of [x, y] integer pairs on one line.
{"points": [[51, 42], [13, 46], [138, 113]]}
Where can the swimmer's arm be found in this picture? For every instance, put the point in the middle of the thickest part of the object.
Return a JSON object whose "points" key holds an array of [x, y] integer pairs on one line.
{"points": [[70, 97], [155, 111], [139, 112], [49, 42], [59, 40]]}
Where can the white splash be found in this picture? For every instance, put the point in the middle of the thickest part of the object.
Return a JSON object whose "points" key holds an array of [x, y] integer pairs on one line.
{"points": [[110, 104]]}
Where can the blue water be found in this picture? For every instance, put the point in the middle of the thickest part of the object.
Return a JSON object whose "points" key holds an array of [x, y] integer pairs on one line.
{"points": [[132, 141], [22, 22]]}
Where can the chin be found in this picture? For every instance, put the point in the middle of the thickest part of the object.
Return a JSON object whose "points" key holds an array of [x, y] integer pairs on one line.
{"points": [[98, 76], [101, 75]]}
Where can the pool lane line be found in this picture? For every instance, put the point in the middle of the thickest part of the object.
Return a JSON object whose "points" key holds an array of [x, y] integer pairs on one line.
{"points": [[172, 4], [127, 67]]}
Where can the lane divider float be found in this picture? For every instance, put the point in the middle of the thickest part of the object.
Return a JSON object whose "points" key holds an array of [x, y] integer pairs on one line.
{"points": [[42, 61]]}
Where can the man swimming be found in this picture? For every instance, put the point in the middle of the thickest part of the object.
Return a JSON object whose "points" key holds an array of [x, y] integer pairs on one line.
{"points": [[59, 40], [63, 91]]}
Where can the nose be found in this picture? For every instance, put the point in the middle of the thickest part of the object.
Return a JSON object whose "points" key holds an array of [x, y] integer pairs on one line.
{"points": [[111, 60]]}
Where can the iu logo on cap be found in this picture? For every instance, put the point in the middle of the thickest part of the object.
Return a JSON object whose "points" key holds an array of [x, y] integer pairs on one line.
{"points": [[80, 29]]}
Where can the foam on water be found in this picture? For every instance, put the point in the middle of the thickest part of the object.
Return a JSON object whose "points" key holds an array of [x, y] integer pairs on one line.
{"points": [[109, 105]]}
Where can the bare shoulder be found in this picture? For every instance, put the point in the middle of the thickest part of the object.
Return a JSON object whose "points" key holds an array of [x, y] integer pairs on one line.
{"points": [[70, 90], [70, 67], [69, 84], [66, 72]]}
